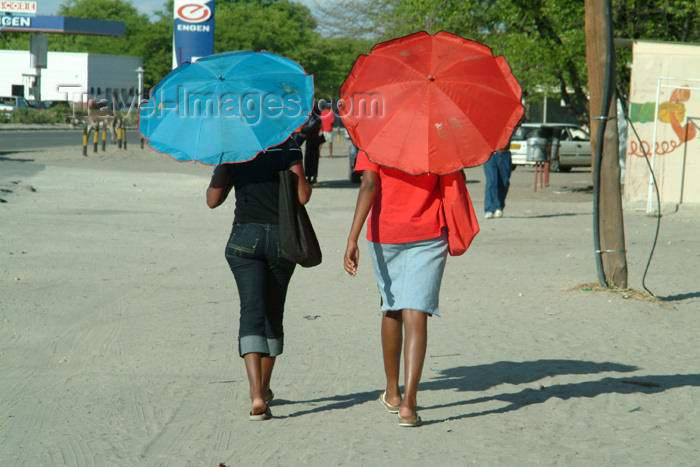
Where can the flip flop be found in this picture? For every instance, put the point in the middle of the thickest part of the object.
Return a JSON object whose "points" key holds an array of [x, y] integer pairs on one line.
{"points": [[272, 396], [266, 415], [390, 408], [410, 422]]}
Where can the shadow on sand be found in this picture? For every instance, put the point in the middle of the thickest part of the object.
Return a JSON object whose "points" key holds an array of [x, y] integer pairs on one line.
{"points": [[679, 297], [483, 377]]}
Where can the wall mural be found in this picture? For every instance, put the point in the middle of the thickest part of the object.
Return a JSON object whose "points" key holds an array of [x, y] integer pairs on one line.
{"points": [[672, 112]]}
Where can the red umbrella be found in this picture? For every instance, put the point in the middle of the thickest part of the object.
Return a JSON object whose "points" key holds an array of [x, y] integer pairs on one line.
{"points": [[430, 103]]}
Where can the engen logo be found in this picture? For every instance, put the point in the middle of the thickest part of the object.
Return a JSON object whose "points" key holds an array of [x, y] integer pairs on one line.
{"points": [[194, 13]]}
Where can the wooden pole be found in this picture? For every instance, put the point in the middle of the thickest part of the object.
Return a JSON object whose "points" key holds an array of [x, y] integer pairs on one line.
{"points": [[611, 225]]}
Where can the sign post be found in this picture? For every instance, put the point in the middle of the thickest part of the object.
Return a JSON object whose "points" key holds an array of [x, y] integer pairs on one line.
{"points": [[38, 47], [193, 30]]}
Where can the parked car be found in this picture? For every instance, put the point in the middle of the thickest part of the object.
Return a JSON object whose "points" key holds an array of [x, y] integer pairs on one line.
{"points": [[44, 105], [11, 103], [573, 148]]}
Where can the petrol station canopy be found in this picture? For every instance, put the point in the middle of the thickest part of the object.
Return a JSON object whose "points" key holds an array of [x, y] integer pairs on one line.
{"points": [[61, 25]]}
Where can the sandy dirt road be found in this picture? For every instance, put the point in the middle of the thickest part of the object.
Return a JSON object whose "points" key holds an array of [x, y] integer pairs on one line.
{"points": [[119, 320]]}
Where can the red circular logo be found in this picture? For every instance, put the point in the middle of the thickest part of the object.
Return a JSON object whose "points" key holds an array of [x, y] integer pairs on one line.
{"points": [[194, 13]]}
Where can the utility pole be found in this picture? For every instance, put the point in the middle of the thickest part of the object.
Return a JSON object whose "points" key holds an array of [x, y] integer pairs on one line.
{"points": [[611, 230]]}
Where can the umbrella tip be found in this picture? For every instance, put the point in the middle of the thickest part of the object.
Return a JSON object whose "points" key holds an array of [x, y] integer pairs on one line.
{"points": [[431, 78], [221, 78]]}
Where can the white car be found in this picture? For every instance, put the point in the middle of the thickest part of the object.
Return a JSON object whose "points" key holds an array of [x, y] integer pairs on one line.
{"points": [[573, 148], [11, 103]]}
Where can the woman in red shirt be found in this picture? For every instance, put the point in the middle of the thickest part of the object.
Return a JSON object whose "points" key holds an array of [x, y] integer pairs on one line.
{"points": [[408, 246]]}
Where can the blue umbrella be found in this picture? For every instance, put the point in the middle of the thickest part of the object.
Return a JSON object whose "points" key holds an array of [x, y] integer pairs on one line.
{"points": [[226, 107]]}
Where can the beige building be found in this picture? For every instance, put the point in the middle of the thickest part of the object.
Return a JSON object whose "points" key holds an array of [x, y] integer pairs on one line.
{"points": [[665, 110]]}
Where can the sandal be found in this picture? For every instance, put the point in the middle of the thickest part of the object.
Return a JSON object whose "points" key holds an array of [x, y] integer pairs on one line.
{"points": [[411, 422], [266, 415], [270, 397], [390, 408]]}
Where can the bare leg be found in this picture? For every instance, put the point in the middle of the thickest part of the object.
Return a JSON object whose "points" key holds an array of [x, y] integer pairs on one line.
{"points": [[416, 323], [253, 366], [268, 363], [392, 336]]}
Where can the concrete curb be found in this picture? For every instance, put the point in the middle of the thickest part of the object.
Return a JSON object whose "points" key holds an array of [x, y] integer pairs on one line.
{"points": [[37, 127]]}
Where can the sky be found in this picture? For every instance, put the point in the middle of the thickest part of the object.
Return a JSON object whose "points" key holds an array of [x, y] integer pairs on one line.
{"points": [[50, 7]]}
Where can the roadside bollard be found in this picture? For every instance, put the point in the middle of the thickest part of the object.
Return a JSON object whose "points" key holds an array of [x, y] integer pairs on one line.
{"points": [[104, 136], [85, 139], [124, 133], [96, 137], [119, 134], [141, 138]]}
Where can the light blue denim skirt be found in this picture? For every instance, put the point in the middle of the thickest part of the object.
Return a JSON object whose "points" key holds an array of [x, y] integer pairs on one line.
{"points": [[409, 274]]}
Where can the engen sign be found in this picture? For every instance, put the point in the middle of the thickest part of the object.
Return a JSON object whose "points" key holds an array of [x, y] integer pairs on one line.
{"points": [[193, 30]]}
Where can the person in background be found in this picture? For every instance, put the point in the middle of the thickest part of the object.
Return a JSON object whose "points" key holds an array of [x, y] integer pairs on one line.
{"points": [[252, 252], [408, 247], [327, 119], [497, 170]]}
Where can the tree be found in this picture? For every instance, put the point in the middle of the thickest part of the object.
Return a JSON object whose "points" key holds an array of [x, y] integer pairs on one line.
{"points": [[112, 10], [362, 20], [286, 28], [665, 20], [279, 26], [543, 40]]}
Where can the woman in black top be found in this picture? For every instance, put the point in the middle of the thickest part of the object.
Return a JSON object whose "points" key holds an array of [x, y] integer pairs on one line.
{"points": [[252, 251]]}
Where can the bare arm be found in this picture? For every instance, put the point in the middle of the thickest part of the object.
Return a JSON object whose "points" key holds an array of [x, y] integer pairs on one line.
{"points": [[368, 191], [303, 185], [219, 187]]}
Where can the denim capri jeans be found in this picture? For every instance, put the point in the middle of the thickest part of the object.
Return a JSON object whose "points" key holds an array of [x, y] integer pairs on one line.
{"points": [[262, 277], [409, 274]]}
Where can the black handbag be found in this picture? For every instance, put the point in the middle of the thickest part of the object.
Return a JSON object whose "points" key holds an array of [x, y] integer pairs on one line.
{"points": [[298, 242]]}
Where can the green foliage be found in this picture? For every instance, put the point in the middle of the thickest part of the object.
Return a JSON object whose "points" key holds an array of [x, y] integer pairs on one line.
{"points": [[286, 28], [112, 10], [664, 20], [276, 26], [60, 114], [155, 45], [544, 41], [330, 62]]}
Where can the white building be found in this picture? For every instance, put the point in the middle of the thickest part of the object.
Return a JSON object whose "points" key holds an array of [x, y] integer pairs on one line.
{"points": [[70, 76]]}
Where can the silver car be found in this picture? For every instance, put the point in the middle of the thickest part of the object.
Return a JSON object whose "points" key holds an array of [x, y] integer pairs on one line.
{"points": [[573, 148]]}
